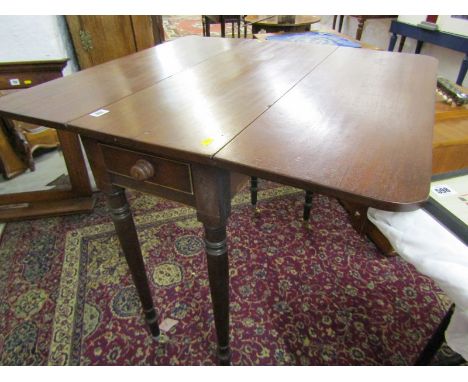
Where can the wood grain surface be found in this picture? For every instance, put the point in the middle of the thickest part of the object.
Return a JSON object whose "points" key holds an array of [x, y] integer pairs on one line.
{"points": [[201, 109], [352, 123], [358, 127], [57, 102]]}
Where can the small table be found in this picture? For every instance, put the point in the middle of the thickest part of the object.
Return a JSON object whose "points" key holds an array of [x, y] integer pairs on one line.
{"points": [[164, 121], [447, 40], [272, 24]]}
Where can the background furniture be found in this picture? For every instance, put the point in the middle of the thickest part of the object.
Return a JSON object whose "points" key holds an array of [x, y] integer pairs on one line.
{"points": [[446, 40], [272, 24], [361, 21], [208, 20], [450, 142], [17, 139], [97, 39], [27, 138], [64, 199]]}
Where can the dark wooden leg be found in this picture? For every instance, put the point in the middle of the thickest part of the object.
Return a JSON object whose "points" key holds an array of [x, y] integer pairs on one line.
{"points": [[463, 70], [402, 43], [213, 203], [307, 205], [340, 26], [207, 27], [419, 46], [255, 29], [360, 28], [218, 274], [123, 221], [253, 190], [334, 21], [125, 228], [392, 43], [223, 26], [238, 28]]}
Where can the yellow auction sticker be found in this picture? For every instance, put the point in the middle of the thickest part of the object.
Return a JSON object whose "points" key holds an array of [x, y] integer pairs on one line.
{"points": [[207, 141], [27, 82]]}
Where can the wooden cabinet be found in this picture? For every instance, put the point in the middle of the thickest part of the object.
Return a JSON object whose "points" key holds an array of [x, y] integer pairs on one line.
{"points": [[98, 39]]}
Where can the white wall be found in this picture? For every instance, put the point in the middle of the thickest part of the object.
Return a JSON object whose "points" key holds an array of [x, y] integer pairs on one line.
{"points": [[376, 32], [30, 38]]}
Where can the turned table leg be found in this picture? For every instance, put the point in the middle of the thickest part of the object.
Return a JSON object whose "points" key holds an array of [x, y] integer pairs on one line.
{"points": [[213, 203], [307, 205], [123, 221], [218, 274], [392, 43], [463, 70], [419, 46], [125, 227], [402, 43], [360, 28], [253, 190]]}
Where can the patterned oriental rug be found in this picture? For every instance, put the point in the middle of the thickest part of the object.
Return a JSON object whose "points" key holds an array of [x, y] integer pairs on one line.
{"points": [[312, 293]]}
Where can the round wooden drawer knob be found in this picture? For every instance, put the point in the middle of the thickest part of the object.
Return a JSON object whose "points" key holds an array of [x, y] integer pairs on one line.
{"points": [[142, 170]]}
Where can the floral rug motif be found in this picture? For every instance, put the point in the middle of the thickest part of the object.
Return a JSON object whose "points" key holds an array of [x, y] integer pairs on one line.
{"points": [[312, 293]]}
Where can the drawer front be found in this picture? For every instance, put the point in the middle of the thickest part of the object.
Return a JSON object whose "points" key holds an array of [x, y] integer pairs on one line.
{"points": [[164, 172], [15, 80]]}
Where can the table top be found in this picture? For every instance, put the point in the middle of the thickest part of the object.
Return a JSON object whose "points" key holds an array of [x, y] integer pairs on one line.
{"points": [[58, 102], [271, 20], [348, 122]]}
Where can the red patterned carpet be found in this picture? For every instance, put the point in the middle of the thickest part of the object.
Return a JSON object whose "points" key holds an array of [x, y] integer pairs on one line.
{"points": [[301, 294]]}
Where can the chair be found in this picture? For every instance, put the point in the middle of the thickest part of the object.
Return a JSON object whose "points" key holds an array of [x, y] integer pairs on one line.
{"points": [[207, 20], [361, 21]]}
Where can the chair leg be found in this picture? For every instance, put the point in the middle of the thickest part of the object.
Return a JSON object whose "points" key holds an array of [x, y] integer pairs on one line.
{"points": [[307, 205], [253, 190], [223, 26], [204, 25], [340, 25]]}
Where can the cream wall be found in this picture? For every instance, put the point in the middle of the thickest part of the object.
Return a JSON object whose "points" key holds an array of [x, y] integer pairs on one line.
{"points": [[376, 33], [29, 38]]}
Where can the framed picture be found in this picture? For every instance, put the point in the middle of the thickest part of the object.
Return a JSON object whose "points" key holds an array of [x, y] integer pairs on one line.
{"points": [[448, 201]]}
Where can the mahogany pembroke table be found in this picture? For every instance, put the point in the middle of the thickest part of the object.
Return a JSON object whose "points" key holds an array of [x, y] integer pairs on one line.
{"points": [[182, 120]]}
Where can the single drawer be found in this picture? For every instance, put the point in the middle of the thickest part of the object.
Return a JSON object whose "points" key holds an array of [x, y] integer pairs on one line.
{"points": [[148, 169]]}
